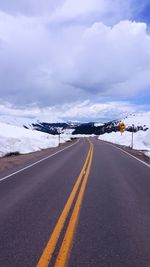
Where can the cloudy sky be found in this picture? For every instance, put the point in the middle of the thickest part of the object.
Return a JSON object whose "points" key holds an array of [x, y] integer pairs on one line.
{"points": [[74, 60]]}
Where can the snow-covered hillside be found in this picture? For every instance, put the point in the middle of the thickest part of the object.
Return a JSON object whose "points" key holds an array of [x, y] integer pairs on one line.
{"points": [[15, 138], [139, 119], [141, 140], [17, 121], [96, 124]]}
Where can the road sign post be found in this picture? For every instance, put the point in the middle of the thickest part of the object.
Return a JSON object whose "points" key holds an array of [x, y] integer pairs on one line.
{"points": [[59, 133], [58, 139], [132, 136]]}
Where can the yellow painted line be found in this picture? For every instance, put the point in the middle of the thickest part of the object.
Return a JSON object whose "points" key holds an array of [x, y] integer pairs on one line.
{"points": [[52, 242], [64, 253]]}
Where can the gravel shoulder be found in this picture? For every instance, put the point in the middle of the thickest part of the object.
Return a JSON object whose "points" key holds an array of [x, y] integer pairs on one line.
{"points": [[13, 163], [136, 153]]}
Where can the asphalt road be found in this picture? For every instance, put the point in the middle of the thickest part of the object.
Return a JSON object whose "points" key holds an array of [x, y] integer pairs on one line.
{"points": [[106, 224]]}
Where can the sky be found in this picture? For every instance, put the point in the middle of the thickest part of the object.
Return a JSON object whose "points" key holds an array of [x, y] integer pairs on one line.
{"points": [[84, 60]]}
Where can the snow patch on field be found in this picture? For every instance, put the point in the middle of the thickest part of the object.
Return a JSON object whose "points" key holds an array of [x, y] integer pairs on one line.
{"points": [[141, 139], [138, 119], [97, 124], [15, 138]]}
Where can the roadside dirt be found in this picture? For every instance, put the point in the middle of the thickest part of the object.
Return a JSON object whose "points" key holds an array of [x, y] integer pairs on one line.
{"points": [[12, 162], [8, 164], [136, 153]]}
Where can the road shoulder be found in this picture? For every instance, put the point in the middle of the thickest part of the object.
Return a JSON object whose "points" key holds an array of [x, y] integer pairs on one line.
{"points": [[12, 163], [133, 152]]}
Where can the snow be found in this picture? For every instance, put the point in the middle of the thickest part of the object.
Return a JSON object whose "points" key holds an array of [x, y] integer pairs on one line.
{"points": [[15, 138], [83, 135], [147, 142], [17, 121], [97, 124], [68, 131], [138, 119], [141, 139]]}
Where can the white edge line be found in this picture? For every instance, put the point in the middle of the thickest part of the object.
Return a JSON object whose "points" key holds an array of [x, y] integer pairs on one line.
{"points": [[146, 164], [35, 163]]}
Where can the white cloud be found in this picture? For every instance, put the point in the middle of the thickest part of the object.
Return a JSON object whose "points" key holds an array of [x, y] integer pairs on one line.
{"points": [[64, 10], [37, 62], [82, 111], [68, 51], [89, 11], [88, 110], [29, 7], [113, 60]]}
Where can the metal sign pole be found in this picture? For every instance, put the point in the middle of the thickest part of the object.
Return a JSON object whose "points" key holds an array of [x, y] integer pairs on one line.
{"points": [[59, 133], [59, 139], [132, 136]]}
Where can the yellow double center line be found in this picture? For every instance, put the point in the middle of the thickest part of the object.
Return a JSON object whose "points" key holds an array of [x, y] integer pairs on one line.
{"points": [[65, 249]]}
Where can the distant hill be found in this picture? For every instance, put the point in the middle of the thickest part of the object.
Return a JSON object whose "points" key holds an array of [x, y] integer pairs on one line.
{"points": [[141, 121]]}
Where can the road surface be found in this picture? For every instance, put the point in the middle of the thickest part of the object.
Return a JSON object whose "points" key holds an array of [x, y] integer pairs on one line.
{"points": [[88, 205]]}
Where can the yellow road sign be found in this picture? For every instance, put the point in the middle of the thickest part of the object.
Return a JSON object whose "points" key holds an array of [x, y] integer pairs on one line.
{"points": [[122, 127]]}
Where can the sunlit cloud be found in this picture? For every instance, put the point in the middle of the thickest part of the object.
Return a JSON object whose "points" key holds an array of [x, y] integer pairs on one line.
{"points": [[57, 52]]}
